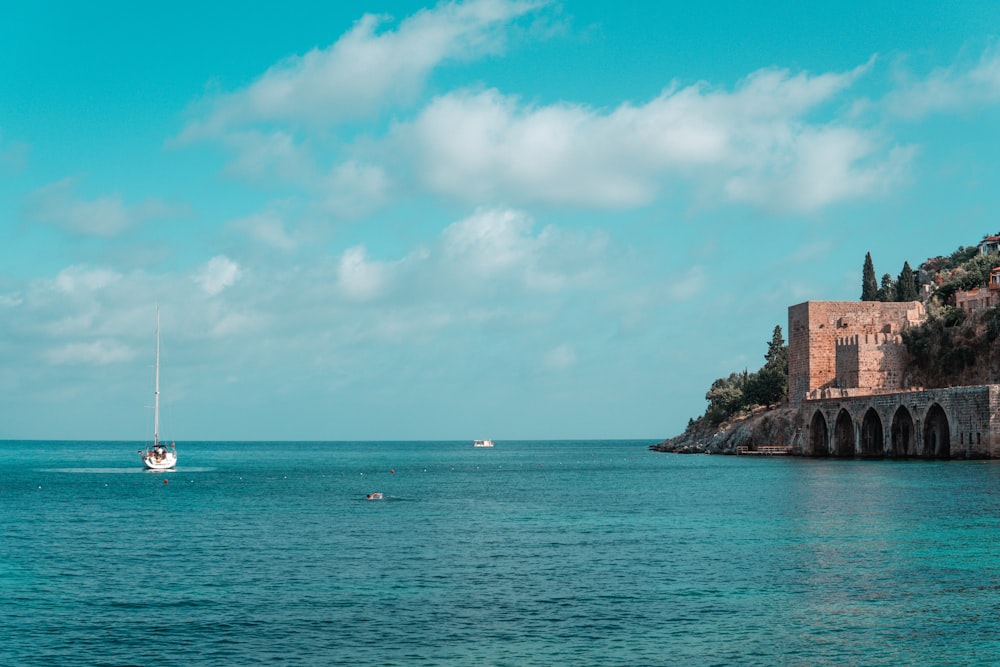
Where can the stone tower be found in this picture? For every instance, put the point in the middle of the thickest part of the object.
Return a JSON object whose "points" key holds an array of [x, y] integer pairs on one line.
{"points": [[853, 347]]}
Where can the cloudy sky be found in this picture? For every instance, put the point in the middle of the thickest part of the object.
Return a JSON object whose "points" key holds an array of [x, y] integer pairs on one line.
{"points": [[493, 218]]}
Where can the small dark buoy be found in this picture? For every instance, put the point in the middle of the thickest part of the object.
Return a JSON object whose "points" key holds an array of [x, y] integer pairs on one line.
{"points": [[166, 481]]}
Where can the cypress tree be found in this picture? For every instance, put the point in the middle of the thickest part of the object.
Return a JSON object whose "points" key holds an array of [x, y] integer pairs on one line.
{"points": [[887, 292], [777, 353], [869, 286], [906, 288]]}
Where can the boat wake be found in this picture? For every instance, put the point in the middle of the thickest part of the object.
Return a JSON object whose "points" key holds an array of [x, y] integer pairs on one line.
{"points": [[117, 471]]}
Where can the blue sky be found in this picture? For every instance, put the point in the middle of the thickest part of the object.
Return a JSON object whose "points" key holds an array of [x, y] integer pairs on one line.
{"points": [[495, 218]]}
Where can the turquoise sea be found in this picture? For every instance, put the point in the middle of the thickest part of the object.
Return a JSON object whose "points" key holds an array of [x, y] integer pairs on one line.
{"points": [[530, 553]]}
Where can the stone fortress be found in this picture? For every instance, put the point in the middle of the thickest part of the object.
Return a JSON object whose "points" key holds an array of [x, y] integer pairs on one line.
{"points": [[846, 364]]}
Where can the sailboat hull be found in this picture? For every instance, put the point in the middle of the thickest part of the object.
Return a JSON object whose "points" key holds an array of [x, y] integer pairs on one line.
{"points": [[166, 462]]}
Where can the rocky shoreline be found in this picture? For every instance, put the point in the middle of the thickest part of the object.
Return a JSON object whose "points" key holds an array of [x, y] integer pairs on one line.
{"points": [[765, 426]]}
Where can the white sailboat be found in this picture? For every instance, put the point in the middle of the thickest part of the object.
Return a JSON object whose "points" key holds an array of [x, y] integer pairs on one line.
{"points": [[158, 456]]}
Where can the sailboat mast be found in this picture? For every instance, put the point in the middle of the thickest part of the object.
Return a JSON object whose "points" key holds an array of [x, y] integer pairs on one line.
{"points": [[156, 391]]}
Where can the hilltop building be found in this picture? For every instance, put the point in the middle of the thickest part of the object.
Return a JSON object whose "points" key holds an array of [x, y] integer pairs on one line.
{"points": [[982, 297], [989, 244]]}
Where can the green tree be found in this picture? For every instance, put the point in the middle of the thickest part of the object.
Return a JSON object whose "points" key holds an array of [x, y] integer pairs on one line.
{"points": [[906, 287], [725, 398], [869, 286], [777, 352], [770, 384], [887, 292], [766, 387]]}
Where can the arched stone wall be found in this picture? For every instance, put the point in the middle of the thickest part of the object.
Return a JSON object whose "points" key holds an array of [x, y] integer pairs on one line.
{"points": [[957, 422], [937, 434], [819, 435], [903, 440], [843, 435], [872, 435]]}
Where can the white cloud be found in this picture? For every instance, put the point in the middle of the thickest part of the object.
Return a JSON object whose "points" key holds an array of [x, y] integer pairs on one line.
{"points": [[217, 274], [497, 244], [78, 279], [227, 324], [278, 129], [359, 278], [267, 227], [365, 69], [953, 88], [560, 358], [688, 285], [353, 189], [827, 165], [484, 146], [106, 216], [11, 300], [97, 353], [779, 140], [269, 156], [489, 241]]}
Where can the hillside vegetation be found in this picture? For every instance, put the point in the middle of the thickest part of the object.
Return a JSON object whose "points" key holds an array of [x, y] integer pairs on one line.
{"points": [[953, 348]]}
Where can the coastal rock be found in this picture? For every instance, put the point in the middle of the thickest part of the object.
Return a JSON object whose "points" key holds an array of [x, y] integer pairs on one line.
{"points": [[764, 426]]}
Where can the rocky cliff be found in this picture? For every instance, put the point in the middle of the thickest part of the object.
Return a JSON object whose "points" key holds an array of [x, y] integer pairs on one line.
{"points": [[764, 426]]}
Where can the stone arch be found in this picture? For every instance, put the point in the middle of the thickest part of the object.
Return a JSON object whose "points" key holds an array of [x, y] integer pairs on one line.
{"points": [[903, 435], [843, 434], [937, 435], [819, 435], [872, 435]]}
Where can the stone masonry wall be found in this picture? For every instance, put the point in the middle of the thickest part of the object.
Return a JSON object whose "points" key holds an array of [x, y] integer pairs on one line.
{"points": [[873, 362], [972, 416], [847, 362], [814, 328]]}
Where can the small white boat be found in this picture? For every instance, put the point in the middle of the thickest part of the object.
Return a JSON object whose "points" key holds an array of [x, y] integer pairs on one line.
{"points": [[157, 456], [482, 443]]}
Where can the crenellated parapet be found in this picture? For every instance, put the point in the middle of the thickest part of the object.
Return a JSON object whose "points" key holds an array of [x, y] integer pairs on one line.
{"points": [[875, 339], [871, 362]]}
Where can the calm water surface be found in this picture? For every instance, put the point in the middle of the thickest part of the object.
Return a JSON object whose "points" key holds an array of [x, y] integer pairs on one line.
{"points": [[532, 553]]}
